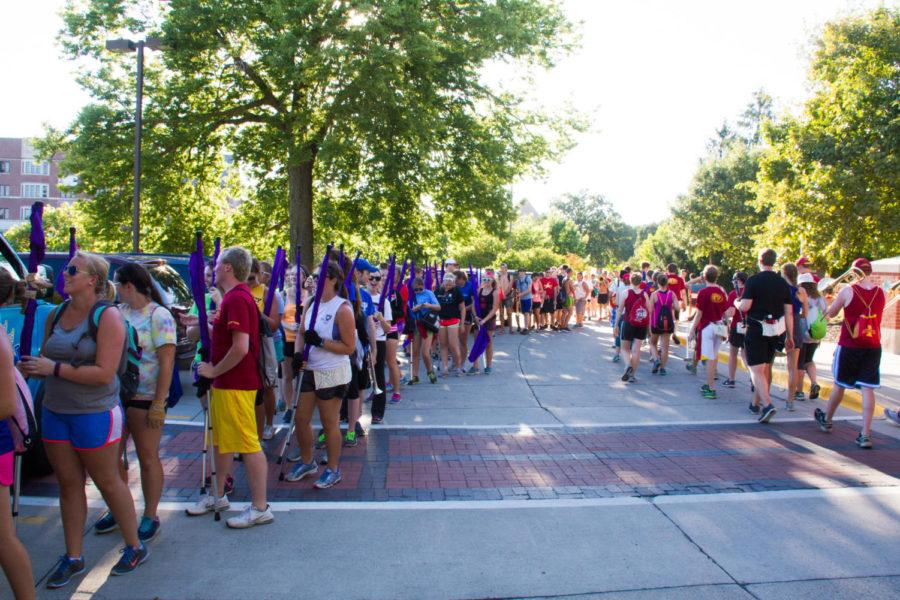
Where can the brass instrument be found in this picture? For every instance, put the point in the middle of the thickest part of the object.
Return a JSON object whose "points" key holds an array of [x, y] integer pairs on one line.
{"points": [[827, 285], [892, 291]]}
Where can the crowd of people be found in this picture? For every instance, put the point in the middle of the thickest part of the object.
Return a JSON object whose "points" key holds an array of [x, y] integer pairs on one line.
{"points": [[320, 340]]}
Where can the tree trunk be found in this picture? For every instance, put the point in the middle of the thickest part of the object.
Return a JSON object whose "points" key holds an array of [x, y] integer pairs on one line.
{"points": [[300, 203]]}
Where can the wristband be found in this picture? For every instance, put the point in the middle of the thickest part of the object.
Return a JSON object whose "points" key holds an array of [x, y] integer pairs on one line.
{"points": [[56, 367]]}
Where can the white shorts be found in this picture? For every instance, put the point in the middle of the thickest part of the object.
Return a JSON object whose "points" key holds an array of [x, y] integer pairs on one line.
{"points": [[709, 343]]}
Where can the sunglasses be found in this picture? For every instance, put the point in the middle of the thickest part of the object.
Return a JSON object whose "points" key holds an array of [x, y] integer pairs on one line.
{"points": [[419, 290], [374, 279], [72, 271]]}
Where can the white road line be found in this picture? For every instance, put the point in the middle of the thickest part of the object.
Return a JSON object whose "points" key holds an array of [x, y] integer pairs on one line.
{"points": [[287, 506], [532, 426]]}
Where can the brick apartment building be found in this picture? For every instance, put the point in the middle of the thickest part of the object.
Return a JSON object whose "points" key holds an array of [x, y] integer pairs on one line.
{"points": [[24, 179]]}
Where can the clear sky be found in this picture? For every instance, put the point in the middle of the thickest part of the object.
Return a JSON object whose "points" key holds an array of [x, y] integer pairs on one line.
{"points": [[656, 77]]}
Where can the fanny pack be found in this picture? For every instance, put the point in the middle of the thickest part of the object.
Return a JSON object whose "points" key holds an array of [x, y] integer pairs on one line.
{"points": [[329, 378], [719, 329], [772, 327], [740, 328]]}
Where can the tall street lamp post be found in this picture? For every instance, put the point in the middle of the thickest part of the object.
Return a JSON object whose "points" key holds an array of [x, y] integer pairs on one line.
{"points": [[124, 45]]}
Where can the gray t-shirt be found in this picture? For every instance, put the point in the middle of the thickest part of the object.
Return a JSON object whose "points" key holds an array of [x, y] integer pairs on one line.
{"points": [[76, 347]]}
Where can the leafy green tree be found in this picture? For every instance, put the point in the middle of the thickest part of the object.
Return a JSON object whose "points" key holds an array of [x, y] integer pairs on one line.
{"points": [[565, 236], [666, 244], [57, 220], [376, 107], [609, 239], [831, 178]]}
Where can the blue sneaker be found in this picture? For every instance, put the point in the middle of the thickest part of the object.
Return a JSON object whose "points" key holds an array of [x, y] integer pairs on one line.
{"points": [[302, 471], [131, 558], [66, 568], [328, 479], [487, 371], [105, 524], [148, 529]]}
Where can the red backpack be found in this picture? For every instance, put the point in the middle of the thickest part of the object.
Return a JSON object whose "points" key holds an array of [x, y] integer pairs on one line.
{"points": [[638, 315]]}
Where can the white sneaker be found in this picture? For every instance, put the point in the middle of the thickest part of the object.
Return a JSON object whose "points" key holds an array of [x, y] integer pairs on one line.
{"points": [[206, 504], [268, 433], [295, 455], [250, 517]]}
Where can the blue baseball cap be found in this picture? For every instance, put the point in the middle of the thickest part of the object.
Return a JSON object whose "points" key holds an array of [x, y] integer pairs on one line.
{"points": [[362, 264]]}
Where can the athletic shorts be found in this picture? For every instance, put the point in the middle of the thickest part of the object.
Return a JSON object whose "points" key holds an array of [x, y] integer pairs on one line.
{"points": [[570, 302], [508, 302], [630, 332], [89, 431], [289, 350], [656, 331], [857, 367], [7, 460], [140, 404], [422, 330], [603, 298], [709, 343], [760, 349], [807, 352], [560, 304], [308, 384], [449, 323], [548, 306], [233, 414], [525, 305], [735, 339], [393, 335]]}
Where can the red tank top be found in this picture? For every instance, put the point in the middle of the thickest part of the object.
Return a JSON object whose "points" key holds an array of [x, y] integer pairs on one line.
{"points": [[862, 318]]}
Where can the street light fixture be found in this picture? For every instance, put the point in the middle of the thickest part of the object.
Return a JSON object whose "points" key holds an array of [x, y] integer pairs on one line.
{"points": [[122, 45]]}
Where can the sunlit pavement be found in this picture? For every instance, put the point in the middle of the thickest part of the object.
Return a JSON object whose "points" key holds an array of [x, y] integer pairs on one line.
{"points": [[549, 477]]}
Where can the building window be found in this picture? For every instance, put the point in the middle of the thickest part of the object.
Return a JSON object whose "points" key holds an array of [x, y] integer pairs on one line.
{"points": [[35, 190], [4, 166], [66, 195], [4, 191], [4, 213], [25, 213], [32, 167]]}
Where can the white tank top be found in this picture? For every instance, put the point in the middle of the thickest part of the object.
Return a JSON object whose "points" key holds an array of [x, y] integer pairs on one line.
{"points": [[327, 328]]}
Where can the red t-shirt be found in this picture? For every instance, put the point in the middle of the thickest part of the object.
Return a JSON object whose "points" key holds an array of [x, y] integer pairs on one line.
{"points": [[550, 285], [738, 316], [712, 300], [238, 312], [676, 284]]}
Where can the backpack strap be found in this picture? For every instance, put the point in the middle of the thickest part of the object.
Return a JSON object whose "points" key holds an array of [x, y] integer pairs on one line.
{"points": [[94, 320], [58, 313]]}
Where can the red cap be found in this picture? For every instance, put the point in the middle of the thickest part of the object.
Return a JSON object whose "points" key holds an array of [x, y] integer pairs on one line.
{"points": [[863, 265], [802, 261]]}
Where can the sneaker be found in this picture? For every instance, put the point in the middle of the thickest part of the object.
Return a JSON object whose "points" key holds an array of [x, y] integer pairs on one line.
{"points": [[824, 424], [893, 417], [377, 420], [729, 383], [251, 517], [708, 392], [413, 381], [692, 368], [404, 380], [617, 358], [814, 391], [863, 441], [754, 408], [320, 441], [328, 479], [268, 433], [388, 387], [105, 524], [488, 371], [767, 414], [302, 471], [350, 440], [207, 503], [131, 558], [288, 416], [473, 370], [676, 340], [460, 372], [655, 368], [360, 432], [294, 456], [524, 332], [282, 405], [800, 396], [631, 379], [323, 457], [432, 377], [148, 529], [628, 373], [395, 398], [66, 569], [789, 405], [662, 371], [566, 328]]}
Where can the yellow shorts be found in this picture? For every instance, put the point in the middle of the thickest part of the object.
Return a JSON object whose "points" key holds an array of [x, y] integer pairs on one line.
{"points": [[233, 414]]}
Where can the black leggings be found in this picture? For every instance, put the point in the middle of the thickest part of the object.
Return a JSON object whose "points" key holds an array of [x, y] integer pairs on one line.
{"points": [[379, 400]]}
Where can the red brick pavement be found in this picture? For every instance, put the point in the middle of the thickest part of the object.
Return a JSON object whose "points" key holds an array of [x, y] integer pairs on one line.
{"points": [[559, 463]]}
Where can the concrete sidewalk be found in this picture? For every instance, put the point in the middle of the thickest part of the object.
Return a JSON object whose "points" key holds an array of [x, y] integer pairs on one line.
{"points": [[837, 544]]}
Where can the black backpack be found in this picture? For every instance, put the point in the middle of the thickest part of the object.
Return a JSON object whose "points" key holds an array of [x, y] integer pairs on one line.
{"points": [[665, 320]]}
